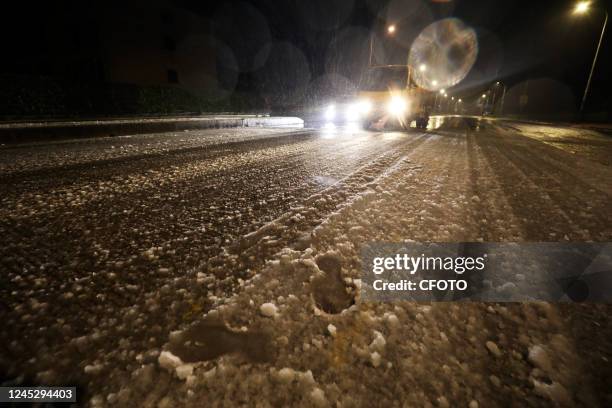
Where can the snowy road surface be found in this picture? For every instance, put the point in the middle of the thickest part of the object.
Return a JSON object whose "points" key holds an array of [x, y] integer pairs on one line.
{"points": [[169, 269]]}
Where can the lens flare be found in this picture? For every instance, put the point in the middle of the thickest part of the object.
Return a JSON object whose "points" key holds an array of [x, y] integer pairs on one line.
{"points": [[352, 113], [330, 112], [448, 48]]}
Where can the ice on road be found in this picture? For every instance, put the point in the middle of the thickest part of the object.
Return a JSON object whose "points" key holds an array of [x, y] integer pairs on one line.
{"points": [[162, 270]]}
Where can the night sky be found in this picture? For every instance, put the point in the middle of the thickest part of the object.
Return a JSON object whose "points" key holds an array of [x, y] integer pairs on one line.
{"points": [[518, 40]]}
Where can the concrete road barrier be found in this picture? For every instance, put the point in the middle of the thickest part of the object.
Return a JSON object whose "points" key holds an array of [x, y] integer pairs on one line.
{"points": [[39, 131]]}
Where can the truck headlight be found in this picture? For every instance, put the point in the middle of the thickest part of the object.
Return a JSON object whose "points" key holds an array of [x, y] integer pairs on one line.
{"points": [[397, 106], [364, 106]]}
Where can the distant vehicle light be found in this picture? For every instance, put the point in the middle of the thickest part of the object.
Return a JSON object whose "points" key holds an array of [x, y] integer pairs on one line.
{"points": [[397, 106], [330, 112], [352, 113], [329, 126]]}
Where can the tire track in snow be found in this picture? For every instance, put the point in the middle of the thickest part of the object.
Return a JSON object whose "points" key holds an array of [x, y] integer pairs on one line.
{"points": [[489, 203], [531, 189], [293, 228]]}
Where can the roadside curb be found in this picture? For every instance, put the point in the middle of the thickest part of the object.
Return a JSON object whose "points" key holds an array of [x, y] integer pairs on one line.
{"points": [[41, 131], [607, 129]]}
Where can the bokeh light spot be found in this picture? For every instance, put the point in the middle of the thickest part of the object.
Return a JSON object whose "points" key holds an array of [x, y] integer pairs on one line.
{"points": [[448, 48]]}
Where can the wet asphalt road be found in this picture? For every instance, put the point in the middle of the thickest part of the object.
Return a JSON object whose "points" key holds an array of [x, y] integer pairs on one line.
{"points": [[97, 230]]}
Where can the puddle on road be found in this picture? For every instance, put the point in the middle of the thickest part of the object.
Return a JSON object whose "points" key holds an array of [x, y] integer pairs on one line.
{"points": [[210, 339], [457, 123], [329, 291]]}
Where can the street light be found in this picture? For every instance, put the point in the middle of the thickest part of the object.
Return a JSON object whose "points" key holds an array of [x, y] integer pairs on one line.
{"points": [[442, 91], [582, 8], [390, 30], [457, 106], [434, 82], [423, 68]]}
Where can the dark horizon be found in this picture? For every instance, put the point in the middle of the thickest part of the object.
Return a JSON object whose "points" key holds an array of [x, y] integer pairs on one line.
{"points": [[538, 45]]}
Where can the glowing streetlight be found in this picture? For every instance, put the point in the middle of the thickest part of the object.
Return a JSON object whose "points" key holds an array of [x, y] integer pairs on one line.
{"points": [[460, 100], [452, 98], [390, 31], [483, 96], [503, 95], [582, 8], [434, 82], [442, 91], [423, 68]]}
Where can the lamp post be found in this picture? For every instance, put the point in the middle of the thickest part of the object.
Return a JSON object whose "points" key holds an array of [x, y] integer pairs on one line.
{"points": [[503, 96], [484, 103], [582, 8], [436, 107], [391, 31]]}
